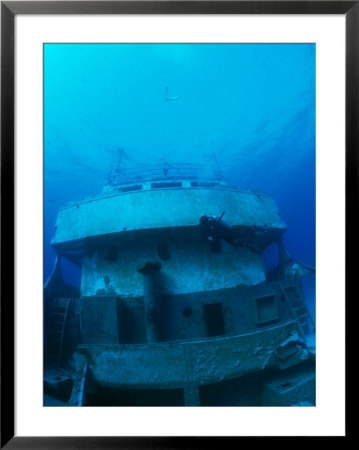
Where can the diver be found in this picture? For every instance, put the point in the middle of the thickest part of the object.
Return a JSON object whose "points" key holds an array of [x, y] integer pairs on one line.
{"points": [[215, 229]]}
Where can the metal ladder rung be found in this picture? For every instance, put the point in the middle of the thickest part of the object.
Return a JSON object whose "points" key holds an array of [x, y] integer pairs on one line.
{"points": [[293, 294], [306, 314], [290, 293], [293, 298], [56, 328], [59, 319], [300, 311], [52, 334], [60, 308], [296, 303]]}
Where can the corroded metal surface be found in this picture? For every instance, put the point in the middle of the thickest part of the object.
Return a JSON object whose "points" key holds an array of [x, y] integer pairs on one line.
{"points": [[122, 238], [191, 268], [178, 364], [163, 208]]}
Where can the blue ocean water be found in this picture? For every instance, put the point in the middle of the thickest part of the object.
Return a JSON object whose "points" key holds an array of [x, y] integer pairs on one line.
{"points": [[250, 105]]}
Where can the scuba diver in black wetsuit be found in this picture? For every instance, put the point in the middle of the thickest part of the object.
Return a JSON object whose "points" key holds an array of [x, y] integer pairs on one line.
{"points": [[215, 228]]}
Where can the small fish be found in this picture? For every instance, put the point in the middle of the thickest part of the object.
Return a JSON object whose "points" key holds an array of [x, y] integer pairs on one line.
{"points": [[170, 99]]}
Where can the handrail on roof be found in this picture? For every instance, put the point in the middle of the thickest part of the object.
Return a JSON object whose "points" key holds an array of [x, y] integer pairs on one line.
{"points": [[166, 171]]}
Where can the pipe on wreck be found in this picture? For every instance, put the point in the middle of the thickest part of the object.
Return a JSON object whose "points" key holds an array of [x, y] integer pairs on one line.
{"points": [[149, 271]]}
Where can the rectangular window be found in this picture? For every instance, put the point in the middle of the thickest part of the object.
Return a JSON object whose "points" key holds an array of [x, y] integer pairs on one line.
{"points": [[213, 315], [165, 185], [138, 187], [202, 184], [162, 250], [265, 309]]}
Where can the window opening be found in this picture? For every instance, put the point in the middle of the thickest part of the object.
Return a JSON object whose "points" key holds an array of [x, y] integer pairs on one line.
{"points": [[165, 185], [130, 188], [265, 309], [163, 251], [202, 184], [112, 253], [213, 314]]}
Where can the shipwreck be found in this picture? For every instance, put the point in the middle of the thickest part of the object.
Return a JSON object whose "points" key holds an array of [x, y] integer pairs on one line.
{"points": [[177, 306]]}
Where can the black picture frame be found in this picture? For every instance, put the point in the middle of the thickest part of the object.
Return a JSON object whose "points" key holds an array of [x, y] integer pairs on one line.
{"points": [[9, 10]]}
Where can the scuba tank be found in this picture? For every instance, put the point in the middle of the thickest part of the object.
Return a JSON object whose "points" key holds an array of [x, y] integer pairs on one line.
{"points": [[215, 228]]}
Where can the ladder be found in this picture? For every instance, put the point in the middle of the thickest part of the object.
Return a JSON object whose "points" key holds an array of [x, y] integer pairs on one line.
{"points": [[295, 299], [56, 328]]}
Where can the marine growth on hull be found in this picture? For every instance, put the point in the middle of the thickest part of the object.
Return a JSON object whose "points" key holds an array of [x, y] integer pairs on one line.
{"points": [[179, 304]]}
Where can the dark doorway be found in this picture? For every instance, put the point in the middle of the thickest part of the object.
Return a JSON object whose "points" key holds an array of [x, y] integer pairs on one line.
{"points": [[214, 319], [104, 396], [163, 251]]}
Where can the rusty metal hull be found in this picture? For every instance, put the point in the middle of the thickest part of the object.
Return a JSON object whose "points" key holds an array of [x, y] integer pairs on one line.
{"points": [[196, 362]]}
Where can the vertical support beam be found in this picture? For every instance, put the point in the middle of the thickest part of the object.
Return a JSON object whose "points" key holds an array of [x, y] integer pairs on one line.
{"points": [[150, 300], [190, 388], [191, 395], [78, 393]]}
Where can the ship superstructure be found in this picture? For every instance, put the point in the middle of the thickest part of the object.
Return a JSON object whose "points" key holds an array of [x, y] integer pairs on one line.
{"points": [[176, 305]]}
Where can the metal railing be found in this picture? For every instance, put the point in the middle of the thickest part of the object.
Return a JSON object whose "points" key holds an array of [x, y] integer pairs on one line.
{"points": [[165, 171]]}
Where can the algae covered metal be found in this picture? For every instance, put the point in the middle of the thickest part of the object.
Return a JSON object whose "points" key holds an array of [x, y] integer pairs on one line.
{"points": [[176, 304]]}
